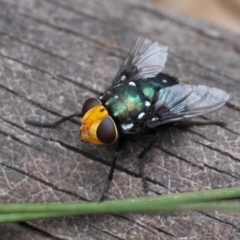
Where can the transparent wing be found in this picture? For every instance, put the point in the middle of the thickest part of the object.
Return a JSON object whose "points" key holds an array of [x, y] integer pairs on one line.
{"points": [[185, 101], [145, 59]]}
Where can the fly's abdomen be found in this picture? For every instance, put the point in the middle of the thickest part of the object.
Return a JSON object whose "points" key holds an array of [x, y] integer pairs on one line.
{"points": [[151, 86], [149, 89]]}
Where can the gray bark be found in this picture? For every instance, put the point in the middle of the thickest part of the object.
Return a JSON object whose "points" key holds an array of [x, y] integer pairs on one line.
{"points": [[56, 54]]}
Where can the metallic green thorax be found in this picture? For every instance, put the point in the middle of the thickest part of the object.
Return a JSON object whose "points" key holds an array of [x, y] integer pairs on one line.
{"points": [[124, 102], [130, 101]]}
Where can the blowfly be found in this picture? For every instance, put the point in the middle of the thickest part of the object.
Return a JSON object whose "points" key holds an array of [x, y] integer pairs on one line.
{"points": [[140, 99]]}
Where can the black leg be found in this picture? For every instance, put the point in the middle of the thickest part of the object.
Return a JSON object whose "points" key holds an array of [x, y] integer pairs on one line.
{"points": [[141, 163], [53, 124], [121, 145], [198, 123]]}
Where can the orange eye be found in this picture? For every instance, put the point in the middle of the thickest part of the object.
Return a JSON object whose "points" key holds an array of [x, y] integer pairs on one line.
{"points": [[90, 103], [106, 131]]}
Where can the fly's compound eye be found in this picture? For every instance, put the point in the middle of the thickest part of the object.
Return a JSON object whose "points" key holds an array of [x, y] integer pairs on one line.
{"points": [[106, 131], [90, 103]]}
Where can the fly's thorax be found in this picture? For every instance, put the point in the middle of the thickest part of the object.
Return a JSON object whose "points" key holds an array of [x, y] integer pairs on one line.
{"points": [[126, 103], [97, 126]]}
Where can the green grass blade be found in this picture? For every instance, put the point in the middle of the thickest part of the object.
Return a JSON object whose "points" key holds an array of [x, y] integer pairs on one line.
{"points": [[229, 206], [164, 203]]}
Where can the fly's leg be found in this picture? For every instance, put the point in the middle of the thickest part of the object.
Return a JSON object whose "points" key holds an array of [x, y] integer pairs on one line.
{"points": [[53, 124], [198, 123], [141, 163], [121, 145]]}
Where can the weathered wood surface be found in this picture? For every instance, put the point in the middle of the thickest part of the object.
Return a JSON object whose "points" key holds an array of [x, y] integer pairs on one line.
{"points": [[53, 56]]}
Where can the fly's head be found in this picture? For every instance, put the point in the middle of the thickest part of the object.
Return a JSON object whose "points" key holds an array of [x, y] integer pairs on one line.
{"points": [[97, 126]]}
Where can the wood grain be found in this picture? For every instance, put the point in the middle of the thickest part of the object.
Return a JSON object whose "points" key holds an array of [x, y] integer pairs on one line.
{"points": [[53, 56]]}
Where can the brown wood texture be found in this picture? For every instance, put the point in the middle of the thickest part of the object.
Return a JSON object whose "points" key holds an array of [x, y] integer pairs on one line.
{"points": [[54, 54]]}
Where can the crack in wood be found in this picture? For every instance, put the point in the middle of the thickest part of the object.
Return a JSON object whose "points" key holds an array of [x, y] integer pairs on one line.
{"points": [[28, 226], [204, 67], [98, 44], [32, 45], [233, 106], [54, 77], [220, 151], [219, 220], [77, 196]]}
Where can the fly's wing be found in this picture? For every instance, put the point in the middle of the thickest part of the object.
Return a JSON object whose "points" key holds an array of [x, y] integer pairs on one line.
{"points": [[146, 59], [183, 101]]}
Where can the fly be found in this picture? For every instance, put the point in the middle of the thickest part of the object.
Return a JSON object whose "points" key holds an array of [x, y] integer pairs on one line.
{"points": [[140, 99]]}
